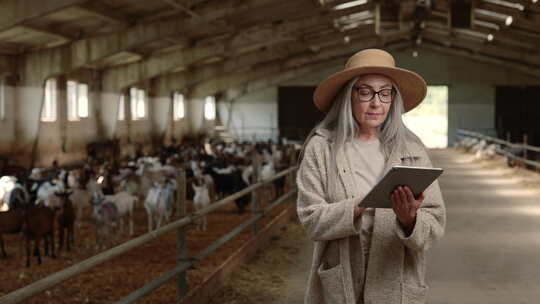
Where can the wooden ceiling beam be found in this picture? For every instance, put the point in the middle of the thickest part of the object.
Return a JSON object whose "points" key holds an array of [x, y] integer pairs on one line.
{"points": [[492, 49], [106, 13], [482, 35], [42, 31], [17, 12], [522, 68], [182, 7], [527, 16]]}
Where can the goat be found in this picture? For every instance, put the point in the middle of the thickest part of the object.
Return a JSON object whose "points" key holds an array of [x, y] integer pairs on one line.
{"points": [[106, 218], [159, 202], [267, 172], [11, 221], [201, 200], [12, 193], [66, 220], [38, 224], [124, 203]]}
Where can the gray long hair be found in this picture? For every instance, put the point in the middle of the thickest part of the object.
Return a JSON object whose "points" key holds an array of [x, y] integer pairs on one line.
{"points": [[393, 134]]}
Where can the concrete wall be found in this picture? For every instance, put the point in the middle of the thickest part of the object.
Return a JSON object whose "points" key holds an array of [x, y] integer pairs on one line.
{"points": [[254, 116]]}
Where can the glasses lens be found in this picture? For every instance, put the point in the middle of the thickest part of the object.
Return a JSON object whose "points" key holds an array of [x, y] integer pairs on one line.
{"points": [[365, 94], [385, 95]]}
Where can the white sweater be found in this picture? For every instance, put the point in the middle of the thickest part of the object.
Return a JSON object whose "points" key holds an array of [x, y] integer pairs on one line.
{"points": [[367, 163]]}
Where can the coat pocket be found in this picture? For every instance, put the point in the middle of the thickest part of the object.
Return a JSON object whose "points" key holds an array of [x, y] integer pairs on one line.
{"points": [[412, 294], [333, 288]]}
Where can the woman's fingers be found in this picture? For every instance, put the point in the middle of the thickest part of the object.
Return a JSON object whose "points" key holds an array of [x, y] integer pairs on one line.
{"points": [[409, 194], [404, 201]]}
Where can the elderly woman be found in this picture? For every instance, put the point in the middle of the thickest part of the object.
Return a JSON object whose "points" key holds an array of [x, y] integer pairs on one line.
{"points": [[366, 255]]}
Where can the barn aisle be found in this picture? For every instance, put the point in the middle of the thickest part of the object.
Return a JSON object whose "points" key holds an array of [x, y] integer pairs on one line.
{"points": [[490, 251]]}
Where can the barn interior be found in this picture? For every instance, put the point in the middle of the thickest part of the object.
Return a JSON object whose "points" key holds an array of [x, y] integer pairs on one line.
{"points": [[237, 56], [81, 75]]}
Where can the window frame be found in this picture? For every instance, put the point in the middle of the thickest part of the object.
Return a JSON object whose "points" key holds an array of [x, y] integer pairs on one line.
{"points": [[74, 98]]}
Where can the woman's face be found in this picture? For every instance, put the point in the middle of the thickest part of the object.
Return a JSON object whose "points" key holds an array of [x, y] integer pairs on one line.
{"points": [[370, 114]]}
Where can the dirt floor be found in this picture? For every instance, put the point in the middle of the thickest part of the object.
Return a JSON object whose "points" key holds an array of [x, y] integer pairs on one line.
{"points": [[115, 279], [277, 275]]}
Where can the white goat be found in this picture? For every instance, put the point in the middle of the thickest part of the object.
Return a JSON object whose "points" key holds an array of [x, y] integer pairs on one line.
{"points": [[267, 171], [201, 200], [159, 202], [124, 203], [46, 196]]}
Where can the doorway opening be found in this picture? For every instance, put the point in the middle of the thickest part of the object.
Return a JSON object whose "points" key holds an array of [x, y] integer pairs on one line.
{"points": [[430, 119]]}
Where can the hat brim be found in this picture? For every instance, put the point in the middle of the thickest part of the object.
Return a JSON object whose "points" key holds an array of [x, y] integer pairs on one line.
{"points": [[413, 87]]}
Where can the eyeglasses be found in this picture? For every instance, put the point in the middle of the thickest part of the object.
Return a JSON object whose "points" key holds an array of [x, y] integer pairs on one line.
{"points": [[366, 94]]}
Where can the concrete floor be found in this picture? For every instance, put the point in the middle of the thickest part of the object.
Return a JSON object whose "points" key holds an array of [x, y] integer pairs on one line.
{"points": [[491, 250], [490, 253]]}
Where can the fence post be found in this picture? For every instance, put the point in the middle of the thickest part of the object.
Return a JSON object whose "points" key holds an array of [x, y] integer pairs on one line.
{"points": [[256, 163], [525, 143], [181, 246]]}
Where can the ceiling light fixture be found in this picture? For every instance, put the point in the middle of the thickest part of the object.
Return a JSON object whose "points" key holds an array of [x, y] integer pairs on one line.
{"points": [[349, 4], [507, 4], [487, 24], [507, 19]]}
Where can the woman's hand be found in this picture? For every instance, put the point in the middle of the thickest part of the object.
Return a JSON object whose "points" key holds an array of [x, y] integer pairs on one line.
{"points": [[405, 206]]}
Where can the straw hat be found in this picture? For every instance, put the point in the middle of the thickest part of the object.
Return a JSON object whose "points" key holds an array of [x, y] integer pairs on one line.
{"points": [[372, 61]]}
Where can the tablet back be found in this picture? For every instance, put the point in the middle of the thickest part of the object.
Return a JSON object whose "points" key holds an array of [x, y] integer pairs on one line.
{"points": [[417, 178]]}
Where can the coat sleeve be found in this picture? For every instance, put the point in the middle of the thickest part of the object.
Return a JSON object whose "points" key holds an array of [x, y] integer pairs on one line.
{"points": [[430, 217], [321, 219]]}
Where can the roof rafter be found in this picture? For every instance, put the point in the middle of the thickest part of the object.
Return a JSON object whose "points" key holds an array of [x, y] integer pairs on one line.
{"points": [[16, 12]]}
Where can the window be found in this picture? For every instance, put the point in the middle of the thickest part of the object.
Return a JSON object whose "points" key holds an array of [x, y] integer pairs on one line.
{"points": [[77, 100], [48, 112], [2, 100], [122, 108], [138, 103], [210, 108], [178, 106]]}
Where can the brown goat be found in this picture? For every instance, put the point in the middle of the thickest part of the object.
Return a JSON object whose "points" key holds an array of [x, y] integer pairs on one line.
{"points": [[66, 220], [11, 221], [39, 224]]}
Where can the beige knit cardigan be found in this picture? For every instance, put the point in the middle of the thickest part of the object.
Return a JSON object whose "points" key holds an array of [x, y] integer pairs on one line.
{"points": [[397, 263]]}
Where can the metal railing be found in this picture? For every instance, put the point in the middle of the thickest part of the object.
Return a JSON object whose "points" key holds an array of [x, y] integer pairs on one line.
{"points": [[526, 147], [180, 225]]}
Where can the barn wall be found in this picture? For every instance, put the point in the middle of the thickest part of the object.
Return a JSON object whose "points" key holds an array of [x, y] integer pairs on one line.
{"points": [[254, 116]]}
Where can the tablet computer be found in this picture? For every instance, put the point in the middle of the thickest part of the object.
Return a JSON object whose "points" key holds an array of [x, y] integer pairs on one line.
{"points": [[417, 178]]}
